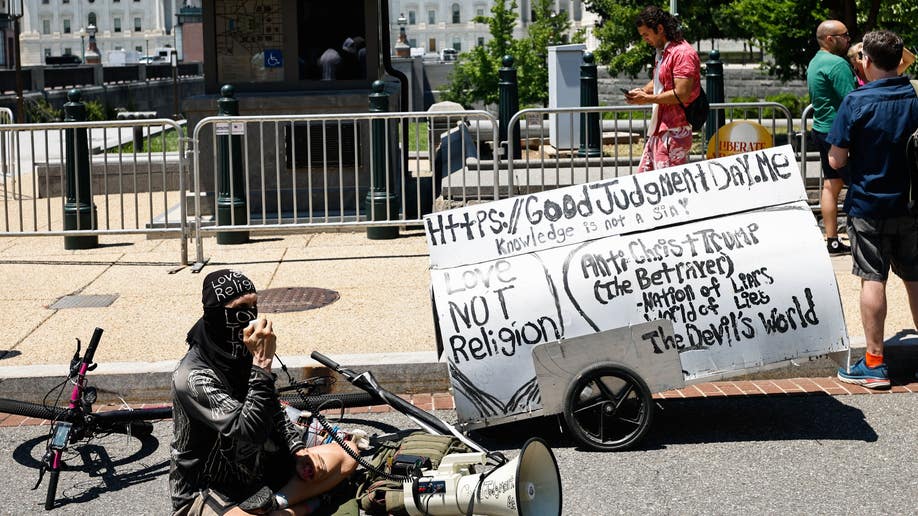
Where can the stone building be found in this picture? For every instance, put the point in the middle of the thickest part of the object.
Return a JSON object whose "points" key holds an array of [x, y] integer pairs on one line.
{"points": [[59, 27], [433, 25]]}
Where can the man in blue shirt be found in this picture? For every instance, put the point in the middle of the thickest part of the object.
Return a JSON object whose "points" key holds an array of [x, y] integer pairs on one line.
{"points": [[869, 134]]}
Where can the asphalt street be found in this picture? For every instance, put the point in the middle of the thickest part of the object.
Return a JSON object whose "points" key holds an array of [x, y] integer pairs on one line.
{"points": [[740, 455]]}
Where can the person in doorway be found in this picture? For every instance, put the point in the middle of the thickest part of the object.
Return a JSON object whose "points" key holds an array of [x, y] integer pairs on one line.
{"points": [[233, 449], [676, 78], [868, 137], [829, 78]]}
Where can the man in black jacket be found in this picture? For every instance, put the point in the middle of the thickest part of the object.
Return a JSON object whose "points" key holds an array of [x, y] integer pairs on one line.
{"points": [[232, 441]]}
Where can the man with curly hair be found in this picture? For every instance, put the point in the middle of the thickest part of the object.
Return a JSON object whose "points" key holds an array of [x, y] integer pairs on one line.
{"points": [[676, 79]]}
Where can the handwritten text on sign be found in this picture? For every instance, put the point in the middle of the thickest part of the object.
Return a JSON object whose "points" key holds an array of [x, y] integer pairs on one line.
{"points": [[610, 207]]}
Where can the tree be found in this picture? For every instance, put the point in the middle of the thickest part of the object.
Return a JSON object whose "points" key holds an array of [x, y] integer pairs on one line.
{"points": [[475, 76], [548, 28]]}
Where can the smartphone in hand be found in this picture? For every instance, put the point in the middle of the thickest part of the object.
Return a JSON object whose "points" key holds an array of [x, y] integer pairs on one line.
{"points": [[626, 92]]}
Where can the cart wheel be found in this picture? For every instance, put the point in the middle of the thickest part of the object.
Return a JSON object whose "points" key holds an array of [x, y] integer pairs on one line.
{"points": [[608, 407]]}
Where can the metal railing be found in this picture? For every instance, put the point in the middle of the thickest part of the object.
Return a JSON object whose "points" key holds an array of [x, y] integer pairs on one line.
{"points": [[317, 171], [623, 132], [133, 191]]}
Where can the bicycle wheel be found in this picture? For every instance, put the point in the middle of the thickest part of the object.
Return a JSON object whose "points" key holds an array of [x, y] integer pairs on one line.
{"points": [[607, 407], [24, 408], [333, 401]]}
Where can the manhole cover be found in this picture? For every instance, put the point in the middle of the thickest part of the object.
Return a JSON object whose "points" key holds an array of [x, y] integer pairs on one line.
{"points": [[294, 299], [99, 301]]}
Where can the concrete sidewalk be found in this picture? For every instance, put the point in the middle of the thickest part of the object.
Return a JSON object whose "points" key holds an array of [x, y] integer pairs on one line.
{"points": [[381, 320]]}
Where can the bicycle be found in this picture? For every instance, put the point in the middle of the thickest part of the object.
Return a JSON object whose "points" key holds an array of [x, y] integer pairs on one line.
{"points": [[77, 421]]}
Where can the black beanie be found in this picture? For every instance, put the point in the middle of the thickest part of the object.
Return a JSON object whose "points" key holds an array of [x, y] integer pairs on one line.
{"points": [[222, 286]]}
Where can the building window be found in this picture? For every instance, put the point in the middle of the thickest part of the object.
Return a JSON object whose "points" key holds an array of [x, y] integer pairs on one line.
{"points": [[117, 24], [457, 45], [431, 16], [45, 2], [139, 48], [413, 42], [456, 13], [66, 1], [479, 12], [68, 51], [47, 52], [66, 25], [412, 18], [46, 26], [91, 20], [136, 24], [480, 41]]}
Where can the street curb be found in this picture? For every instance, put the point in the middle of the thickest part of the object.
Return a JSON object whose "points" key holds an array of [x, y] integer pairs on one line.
{"points": [[401, 373]]}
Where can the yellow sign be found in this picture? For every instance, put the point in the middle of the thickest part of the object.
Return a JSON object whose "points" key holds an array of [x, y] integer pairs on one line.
{"points": [[739, 137]]}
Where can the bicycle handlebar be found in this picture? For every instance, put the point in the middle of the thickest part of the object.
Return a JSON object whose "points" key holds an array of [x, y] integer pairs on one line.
{"points": [[93, 344], [324, 360]]}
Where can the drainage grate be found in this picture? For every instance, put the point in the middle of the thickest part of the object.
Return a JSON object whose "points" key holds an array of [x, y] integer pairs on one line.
{"points": [[294, 299], [99, 301]]}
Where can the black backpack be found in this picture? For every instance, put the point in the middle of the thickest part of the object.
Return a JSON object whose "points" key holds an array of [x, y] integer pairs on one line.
{"points": [[696, 113]]}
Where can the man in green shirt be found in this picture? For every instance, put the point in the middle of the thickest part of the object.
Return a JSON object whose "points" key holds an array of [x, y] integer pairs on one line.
{"points": [[829, 78]]}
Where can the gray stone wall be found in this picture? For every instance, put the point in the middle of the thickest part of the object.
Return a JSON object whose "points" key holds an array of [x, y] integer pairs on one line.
{"points": [[738, 82]]}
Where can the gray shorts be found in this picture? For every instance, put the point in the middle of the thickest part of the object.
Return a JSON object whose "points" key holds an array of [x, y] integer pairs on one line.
{"points": [[878, 244]]}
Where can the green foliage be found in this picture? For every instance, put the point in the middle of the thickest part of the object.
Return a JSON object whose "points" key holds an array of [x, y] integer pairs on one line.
{"points": [[154, 143], [475, 76], [793, 103], [95, 110], [620, 47], [39, 111], [784, 28]]}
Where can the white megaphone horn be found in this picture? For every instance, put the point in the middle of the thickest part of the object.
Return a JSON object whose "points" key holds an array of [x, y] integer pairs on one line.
{"points": [[529, 485]]}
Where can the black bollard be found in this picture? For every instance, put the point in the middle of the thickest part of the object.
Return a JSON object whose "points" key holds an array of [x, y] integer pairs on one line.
{"points": [[79, 211], [509, 105], [590, 128], [380, 203], [231, 186], [715, 90]]}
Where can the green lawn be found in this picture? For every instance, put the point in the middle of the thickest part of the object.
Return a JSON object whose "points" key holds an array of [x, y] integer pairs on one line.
{"points": [[154, 143]]}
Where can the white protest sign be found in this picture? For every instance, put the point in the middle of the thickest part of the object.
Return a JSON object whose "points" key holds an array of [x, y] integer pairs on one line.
{"points": [[742, 290]]}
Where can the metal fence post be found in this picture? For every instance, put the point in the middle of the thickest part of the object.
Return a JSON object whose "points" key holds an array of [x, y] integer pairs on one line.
{"points": [[590, 129], [79, 211], [509, 105], [231, 187], [715, 89], [380, 204]]}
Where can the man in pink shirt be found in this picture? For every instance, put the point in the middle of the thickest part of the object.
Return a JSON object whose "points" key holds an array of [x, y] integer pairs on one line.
{"points": [[676, 77]]}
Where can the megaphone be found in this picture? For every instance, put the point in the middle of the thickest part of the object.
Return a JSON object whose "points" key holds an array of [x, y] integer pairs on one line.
{"points": [[528, 485]]}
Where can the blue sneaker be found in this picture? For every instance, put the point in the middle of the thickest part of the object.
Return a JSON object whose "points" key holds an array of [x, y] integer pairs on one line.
{"points": [[860, 374]]}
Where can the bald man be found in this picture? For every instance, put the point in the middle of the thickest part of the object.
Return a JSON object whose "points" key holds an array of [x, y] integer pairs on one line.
{"points": [[829, 78]]}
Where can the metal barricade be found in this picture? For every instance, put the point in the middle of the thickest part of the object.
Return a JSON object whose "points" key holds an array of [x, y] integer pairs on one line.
{"points": [[543, 166], [133, 191], [303, 172]]}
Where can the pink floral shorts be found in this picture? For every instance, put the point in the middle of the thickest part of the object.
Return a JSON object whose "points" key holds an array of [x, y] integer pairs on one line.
{"points": [[667, 149]]}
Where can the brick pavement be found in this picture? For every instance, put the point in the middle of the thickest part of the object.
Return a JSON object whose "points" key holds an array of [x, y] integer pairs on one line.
{"points": [[825, 386]]}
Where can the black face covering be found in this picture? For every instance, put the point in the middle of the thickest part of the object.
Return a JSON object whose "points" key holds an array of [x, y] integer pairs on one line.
{"points": [[217, 336]]}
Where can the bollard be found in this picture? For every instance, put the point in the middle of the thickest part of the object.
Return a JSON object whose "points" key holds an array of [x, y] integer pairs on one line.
{"points": [[590, 129], [79, 211], [509, 104], [715, 90], [231, 187], [380, 204]]}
